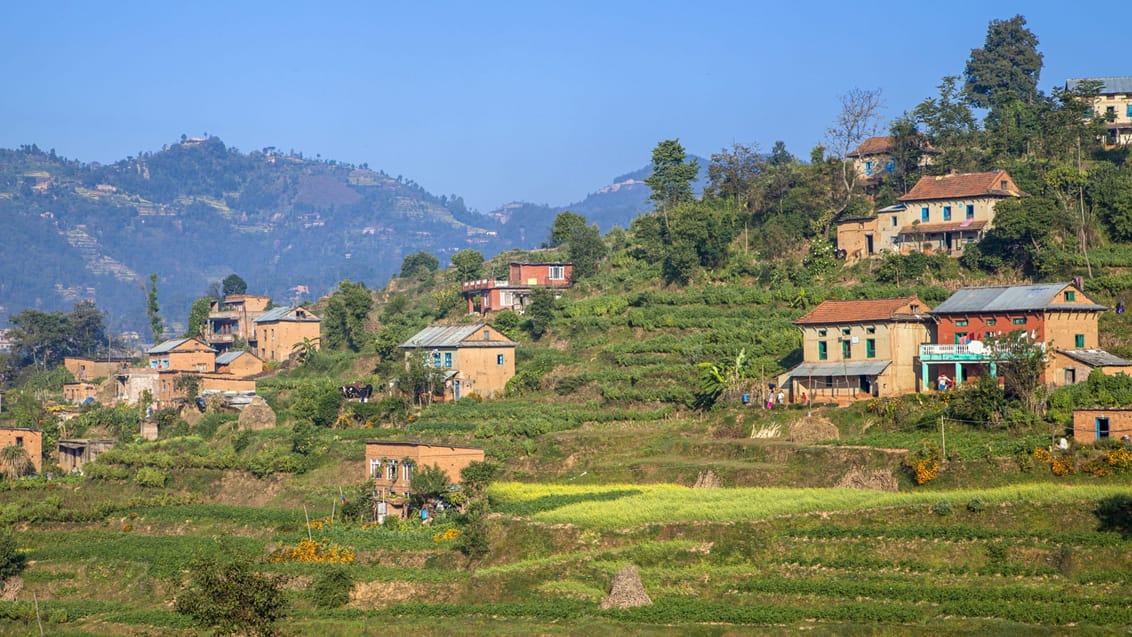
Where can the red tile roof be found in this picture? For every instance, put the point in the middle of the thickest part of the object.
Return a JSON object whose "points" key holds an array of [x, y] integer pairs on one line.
{"points": [[829, 312], [960, 186], [872, 146]]}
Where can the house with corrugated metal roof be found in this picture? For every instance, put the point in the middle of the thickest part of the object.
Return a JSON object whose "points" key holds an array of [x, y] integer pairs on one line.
{"points": [[1059, 317], [182, 354], [1113, 104], [473, 358], [239, 363], [279, 330], [852, 350]]}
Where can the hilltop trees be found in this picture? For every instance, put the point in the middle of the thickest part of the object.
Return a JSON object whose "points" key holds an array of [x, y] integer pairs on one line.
{"points": [[1006, 68], [468, 265], [343, 322], [672, 176], [583, 243], [45, 338], [418, 265]]}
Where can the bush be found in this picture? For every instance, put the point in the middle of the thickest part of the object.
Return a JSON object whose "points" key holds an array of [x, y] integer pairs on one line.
{"points": [[331, 588], [150, 477], [12, 562], [231, 597]]}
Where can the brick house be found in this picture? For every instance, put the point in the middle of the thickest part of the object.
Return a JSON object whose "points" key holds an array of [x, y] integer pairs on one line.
{"points": [[182, 354], [278, 331], [239, 363], [941, 214], [485, 295], [78, 392], [30, 440], [853, 350], [232, 318], [1097, 423], [1113, 104], [390, 465], [1058, 316], [89, 368], [873, 159], [475, 358]]}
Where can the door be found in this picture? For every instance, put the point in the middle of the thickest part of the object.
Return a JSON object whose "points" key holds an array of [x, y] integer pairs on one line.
{"points": [[1102, 427], [868, 244], [456, 389]]}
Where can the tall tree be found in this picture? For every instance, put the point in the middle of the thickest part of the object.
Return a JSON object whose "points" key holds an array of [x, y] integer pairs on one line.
{"points": [[418, 265], [233, 284], [468, 265], [1007, 67], [198, 318], [153, 310], [88, 330], [858, 119], [672, 176], [565, 224], [732, 173], [951, 127], [586, 250], [343, 323]]}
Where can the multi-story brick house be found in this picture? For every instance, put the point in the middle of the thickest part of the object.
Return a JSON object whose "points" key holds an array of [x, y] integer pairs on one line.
{"points": [[233, 318], [1059, 317], [875, 159], [278, 331], [390, 465], [858, 349], [475, 358], [182, 354], [486, 295], [940, 214], [1113, 104]]}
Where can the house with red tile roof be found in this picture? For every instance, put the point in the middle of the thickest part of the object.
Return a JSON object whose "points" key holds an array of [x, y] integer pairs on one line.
{"points": [[852, 350], [940, 214]]}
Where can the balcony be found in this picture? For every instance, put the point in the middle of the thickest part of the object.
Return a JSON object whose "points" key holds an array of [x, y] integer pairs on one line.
{"points": [[484, 284], [224, 315], [974, 351]]}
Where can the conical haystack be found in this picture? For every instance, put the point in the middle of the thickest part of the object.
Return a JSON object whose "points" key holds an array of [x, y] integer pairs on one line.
{"points": [[257, 415], [706, 480], [812, 429], [627, 590]]}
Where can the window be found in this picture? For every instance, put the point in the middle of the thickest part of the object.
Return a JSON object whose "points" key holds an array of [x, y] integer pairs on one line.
{"points": [[436, 360], [447, 360], [870, 330], [499, 359], [890, 166], [1102, 427], [821, 332], [961, 323], [990, 322], [374, 468], [1002, 184], [870, 348], [1110, 110], [947, 213], [557, 272], [845, 331], [823, 351], [391, 471], [970, 211], [868, 169], [1128, 110], [1070, 295], [1018, 321], [1070, 376], [407, 472], [487, 335], [924, 216], [1079, 341], [19, 441], [846, 349]]}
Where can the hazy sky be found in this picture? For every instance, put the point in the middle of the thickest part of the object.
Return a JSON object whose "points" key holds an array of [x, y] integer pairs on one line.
{"points": [[495, 101]]}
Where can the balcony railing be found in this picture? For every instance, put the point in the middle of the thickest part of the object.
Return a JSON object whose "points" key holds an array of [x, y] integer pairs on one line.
{"points": [[484, 284], [964, 352]]}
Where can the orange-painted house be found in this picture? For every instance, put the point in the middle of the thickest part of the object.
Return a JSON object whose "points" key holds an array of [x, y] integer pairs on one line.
{"points": [[486, 295]]}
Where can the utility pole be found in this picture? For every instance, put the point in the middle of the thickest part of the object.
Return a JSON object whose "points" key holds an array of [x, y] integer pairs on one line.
{"points": [[942, 439]]}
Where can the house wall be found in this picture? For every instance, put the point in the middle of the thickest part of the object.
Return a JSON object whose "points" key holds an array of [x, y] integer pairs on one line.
{"points": [[451, 460], [532, 274], [896, 341], [30, 439], [889, 231], [1063, 370], [1120, 127], [78, 392], [236, 314], [222, 383], [134, 382], [481, 366], [86, 368], [73, 454], [275, 340], [192, 356], [852, 237], [1085, 423]]}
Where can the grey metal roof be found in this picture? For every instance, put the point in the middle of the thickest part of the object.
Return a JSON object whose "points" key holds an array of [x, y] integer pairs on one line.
{"points": [[1096, 357], [165, 347], [452, 336], [1008, 298], [893, 208], [850, 368], [1110, 84], [283, 314], [228, 357]]}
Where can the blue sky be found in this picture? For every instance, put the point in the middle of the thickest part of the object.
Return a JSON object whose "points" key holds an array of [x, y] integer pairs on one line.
{"points": [[494, 101]]}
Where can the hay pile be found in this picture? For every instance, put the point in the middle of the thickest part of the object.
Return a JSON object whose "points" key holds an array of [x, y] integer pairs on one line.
{"points": [[813, 429], [876, 480], [627, 590], [191, 415], [258, 415], [11, 588], [706, 480]]}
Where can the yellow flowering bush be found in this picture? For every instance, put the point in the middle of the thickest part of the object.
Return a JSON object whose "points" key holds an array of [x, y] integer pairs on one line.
{"points": [[311, 551], [447, 536], [1120, 460]]}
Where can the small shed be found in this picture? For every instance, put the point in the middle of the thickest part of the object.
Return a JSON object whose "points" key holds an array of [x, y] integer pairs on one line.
{"points": [[76, 452], [1096, 423]]}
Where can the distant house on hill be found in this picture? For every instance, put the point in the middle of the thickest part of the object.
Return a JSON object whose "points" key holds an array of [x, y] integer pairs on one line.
{"points": [[232, 318], [475, 358], [391, 465], [485, 295], [1113, 104], [239, 363], [30, 440], [941, 214], [858, 349], [278, 331], [875, 158]]}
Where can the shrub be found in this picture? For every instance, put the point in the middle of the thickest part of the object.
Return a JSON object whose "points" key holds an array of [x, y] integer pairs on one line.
{"points": [[941, 508], [331, 589], [12, 562], [231, 597], [150, 477]]}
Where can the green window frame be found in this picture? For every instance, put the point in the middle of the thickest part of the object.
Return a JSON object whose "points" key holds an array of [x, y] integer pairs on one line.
{"points": [[1070, 295], [823, 351], [846, 350], [1079, 341], [870, 348], [1018, 321]]}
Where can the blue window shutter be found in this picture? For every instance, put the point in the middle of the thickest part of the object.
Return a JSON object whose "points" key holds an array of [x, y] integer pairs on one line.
{"points": [[924, 215], [890, 166]]}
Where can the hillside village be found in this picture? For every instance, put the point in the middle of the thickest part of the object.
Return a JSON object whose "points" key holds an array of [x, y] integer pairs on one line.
{"points": [[888, 389]]}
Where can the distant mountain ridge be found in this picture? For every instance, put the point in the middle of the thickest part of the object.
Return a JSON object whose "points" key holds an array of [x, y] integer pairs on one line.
{"points": [[198, 210]]}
